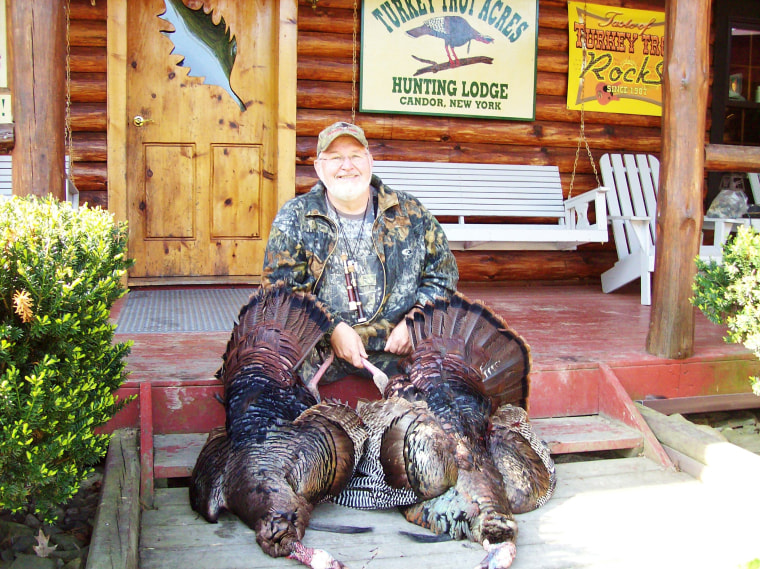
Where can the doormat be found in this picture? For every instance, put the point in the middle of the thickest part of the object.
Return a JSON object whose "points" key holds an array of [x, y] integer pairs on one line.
{"points": [[181, 310]]}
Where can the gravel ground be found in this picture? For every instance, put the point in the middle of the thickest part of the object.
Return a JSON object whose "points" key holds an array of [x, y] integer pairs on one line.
{"points": [[68, 539]]}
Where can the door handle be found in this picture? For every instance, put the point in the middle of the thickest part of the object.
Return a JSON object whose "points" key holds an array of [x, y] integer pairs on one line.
{"points": [[141, 121]]}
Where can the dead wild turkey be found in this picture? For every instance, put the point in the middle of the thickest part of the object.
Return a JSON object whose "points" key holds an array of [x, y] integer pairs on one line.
{"points": [[451, 442], [279, 453]]}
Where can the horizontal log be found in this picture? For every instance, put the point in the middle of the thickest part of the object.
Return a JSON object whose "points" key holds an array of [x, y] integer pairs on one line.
{"points": [[88, 88], [89, 59], [88, 117], [6, 138], [340, 20], [84, 10], [327, 20], [550, 109], [326, 45], [554, 108], [331, 96], [727, 158], [552, 61], [550, 16], [90, 146], [315, 68], [322, 89], [319, 68], [466, 153], [90, 175], [503, 266], [87, 33], [455, 130], [554, 40], [558, 6], [94, 198], [331, 45]]}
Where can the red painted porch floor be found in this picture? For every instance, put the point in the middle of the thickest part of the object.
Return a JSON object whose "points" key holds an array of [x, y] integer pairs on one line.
{"points": [[572, 330], [586, 347]]}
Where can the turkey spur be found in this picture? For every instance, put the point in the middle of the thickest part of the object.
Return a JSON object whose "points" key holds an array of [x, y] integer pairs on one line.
{"points": [[450, 443], [280, 453]]}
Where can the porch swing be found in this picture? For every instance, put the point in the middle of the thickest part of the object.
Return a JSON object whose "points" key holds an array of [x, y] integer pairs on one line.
{"points": [[478, 194]]}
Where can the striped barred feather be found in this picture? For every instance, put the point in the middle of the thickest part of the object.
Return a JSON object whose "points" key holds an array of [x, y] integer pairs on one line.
{"points": [[522, 458]]}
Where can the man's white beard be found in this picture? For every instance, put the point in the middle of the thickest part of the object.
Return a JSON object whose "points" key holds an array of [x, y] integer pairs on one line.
{"points": [[346, 191]]}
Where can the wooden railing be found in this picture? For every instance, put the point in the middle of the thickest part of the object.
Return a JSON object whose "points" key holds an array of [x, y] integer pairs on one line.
{"points": [[730, 158]]}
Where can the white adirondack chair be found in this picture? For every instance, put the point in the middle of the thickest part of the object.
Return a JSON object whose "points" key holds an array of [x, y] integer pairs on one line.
{"points": [[633, 181]]}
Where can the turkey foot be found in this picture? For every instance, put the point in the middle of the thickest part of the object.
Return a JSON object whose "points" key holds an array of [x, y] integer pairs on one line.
{"points": [[499, 555], [314, 558], [311, 385], [378, 376]]}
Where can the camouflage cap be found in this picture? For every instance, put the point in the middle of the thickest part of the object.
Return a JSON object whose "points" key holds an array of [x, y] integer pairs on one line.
{"points": [[337, 129]]}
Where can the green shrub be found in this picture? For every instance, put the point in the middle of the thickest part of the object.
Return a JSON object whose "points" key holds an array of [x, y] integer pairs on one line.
{"points": [[729, 293], [60, 273]]}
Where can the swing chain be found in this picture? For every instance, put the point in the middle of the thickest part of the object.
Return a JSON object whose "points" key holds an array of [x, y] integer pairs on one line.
{"points": [[67, 118], [582, 134], [353, 67]]}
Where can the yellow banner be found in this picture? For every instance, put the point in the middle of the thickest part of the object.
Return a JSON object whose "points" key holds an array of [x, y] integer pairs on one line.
{"points": [[469, 58], [623, 68]]}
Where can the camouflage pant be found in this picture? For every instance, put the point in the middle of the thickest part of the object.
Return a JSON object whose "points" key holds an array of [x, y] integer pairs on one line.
{"points": [[339, 368]]}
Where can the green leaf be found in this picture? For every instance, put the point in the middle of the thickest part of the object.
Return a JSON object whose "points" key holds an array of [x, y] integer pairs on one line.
{"points": [[206, 48]]}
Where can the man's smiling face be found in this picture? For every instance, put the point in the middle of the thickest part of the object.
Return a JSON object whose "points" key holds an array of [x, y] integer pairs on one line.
{"points": [[345, 168]]}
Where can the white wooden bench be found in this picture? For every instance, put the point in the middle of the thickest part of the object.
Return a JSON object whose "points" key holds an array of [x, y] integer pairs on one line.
{"points": [[471, 192], [632, 204]]}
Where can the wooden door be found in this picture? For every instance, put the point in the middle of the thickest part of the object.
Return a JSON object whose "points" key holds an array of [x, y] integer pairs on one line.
{"points": [[201, 138]]}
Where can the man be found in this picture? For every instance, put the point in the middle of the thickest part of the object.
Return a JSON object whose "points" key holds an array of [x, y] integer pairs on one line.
{"points": [[368, 252]]}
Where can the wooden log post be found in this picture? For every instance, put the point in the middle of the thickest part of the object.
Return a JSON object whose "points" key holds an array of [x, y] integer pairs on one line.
{"points": [[679, 202], [37, 52]]}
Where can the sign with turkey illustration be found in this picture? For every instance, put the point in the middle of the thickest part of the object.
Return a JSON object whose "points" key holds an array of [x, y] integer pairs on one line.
{"points": [[465, 58], [624, 56]]}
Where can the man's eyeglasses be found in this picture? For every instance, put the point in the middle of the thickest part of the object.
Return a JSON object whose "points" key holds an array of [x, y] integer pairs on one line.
{"points": [[337, 160]]}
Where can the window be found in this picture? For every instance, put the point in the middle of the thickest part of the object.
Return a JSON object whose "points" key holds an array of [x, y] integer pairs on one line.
{"points": [[736, 78], [742, 113]]}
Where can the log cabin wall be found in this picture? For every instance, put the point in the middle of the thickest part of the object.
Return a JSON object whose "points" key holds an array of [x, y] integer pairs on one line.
{"points": [[87, 40], [324, 95]]}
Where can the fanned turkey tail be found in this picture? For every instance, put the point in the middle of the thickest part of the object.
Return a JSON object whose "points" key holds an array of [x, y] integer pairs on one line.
{"points": [[522, 458], [500, 356], [279, 322]]}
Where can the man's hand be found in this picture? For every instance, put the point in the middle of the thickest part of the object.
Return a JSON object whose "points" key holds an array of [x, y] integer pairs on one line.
{"points": [[347, 345], [399, 342]]}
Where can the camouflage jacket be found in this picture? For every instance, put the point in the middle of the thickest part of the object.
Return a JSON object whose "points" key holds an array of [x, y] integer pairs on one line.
{"points": [[417, 263]]}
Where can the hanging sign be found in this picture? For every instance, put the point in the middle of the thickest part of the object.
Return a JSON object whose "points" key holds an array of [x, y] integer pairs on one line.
{"points": [[3, 48], [624, 62], [466, 58]]}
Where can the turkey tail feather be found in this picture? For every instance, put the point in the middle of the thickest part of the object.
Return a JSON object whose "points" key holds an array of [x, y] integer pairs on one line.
{"points": [[522, 458], [486, 342], [207, 481], [288, 324]]}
